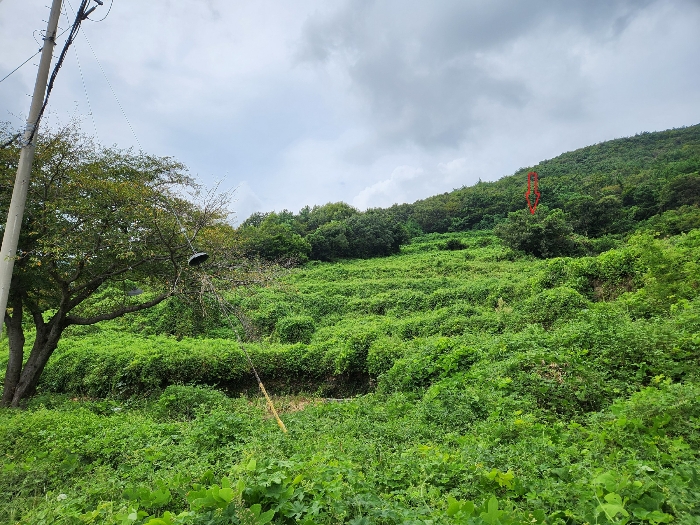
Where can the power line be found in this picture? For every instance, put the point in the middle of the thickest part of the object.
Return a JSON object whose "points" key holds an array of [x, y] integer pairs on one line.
{"points": [[15, 69], [71, 37], [114, 93], [103, 18], [82, 79], [35, 54], [110, 86]]}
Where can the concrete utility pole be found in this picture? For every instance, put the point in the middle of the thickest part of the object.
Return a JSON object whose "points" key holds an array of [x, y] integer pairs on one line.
{"points": [[24, 170]]}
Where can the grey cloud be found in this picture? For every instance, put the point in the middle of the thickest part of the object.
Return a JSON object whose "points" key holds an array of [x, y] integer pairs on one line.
{"points": [[420, 72]]}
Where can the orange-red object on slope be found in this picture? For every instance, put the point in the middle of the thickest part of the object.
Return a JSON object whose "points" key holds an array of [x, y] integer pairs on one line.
{"points": [[532, 183]]}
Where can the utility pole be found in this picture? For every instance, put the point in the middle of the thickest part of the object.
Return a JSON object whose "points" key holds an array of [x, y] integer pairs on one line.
{"points": [[24, 169]]}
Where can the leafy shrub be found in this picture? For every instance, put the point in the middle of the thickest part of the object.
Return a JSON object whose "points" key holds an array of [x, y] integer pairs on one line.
{"points": [[295, 329], [604, 277], [382, 355], [330, 241], [350, 346], [550, 305], [673, 222], [266, 317], [274, 240], [424, 361], [560, 383], [452, 405], [684, 190], [218, 427], [119, 364], [360, 235], [454, 244], [671, 408], [543, 234], [181, 402]]}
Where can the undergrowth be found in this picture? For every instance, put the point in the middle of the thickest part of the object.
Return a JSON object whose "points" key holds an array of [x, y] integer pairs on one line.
{"points": [[493, 388]]}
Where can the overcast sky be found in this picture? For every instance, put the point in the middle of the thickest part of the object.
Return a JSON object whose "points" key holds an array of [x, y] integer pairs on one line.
{"points": [[369, 102]]}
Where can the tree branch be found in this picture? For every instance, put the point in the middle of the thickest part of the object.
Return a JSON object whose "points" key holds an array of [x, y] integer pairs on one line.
{"points": [[117, 313], [35, 311]]}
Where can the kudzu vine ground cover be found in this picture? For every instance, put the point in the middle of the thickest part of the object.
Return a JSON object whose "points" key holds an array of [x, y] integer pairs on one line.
{"points": [[489, 388]]}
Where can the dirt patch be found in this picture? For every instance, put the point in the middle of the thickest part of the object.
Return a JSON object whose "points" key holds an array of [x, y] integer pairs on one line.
{"points": [[605, 291]]}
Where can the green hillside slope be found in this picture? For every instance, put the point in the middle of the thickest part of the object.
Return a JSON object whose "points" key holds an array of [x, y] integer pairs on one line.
{"points": [[501, 389], [604, 189], [456, 379]]}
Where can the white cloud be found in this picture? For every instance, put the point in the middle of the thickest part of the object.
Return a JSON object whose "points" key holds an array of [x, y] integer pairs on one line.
{"points": [[455, 166], [389, 191], [312, 101], [245, 202]]}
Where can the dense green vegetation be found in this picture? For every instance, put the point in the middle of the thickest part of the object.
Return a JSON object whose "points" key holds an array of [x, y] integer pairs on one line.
{"points": [[96, 221], [545, 370], [499, 388], [603, 190]]}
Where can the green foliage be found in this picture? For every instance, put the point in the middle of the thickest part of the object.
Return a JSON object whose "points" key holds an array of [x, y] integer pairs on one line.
{"points": [[318, 216], [526, 391], [296, 329], [330, 241], [360, 235], [454, 244], [453, 405], [218, 426], [374, 459], [382, 354], [107, 363], [684, 190], [181, 402], [543, 234], [673, 222], [548, 306], [274, 240]]}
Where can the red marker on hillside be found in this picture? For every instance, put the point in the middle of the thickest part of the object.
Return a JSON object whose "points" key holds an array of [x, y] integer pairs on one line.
{"points": [[532, 176]]}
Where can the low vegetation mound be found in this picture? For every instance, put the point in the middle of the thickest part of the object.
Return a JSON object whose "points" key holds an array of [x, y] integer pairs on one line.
{"points": [[499, 388]]}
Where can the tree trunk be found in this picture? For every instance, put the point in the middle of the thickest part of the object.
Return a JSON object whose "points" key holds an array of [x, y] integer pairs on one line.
{"points": [[44, 345], [15, 336]]}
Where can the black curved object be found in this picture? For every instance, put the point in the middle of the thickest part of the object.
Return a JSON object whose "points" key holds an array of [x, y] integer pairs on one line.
{"points": [[197, 259]]}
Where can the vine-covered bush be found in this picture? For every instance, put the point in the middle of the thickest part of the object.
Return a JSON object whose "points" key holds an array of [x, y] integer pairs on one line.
{"points": [[181, 402], [295, 329]]}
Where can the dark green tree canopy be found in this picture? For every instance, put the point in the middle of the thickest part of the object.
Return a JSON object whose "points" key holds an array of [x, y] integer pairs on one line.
{"points": [[546, 233], [95, 217]]}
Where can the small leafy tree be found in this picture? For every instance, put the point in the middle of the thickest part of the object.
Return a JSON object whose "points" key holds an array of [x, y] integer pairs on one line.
{"points": [[371, 234], [95, 218], [329, 241], [311, 219], [274, 241], [543, 234]]}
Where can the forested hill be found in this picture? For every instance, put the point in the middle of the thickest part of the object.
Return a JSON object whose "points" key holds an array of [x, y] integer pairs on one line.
{"points": [[602, 188], [605, 189]]}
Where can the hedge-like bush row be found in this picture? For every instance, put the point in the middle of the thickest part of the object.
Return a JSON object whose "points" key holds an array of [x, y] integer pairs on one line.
{"points": [[109, 363]]}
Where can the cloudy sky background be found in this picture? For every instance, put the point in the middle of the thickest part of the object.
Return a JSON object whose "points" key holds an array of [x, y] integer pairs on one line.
{"points": [[308, 101]]}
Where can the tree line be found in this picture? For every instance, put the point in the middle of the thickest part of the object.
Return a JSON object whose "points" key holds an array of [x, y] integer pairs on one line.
{"points": [[604, 190]]}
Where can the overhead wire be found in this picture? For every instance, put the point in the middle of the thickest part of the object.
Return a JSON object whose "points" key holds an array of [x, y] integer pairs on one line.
{"points": [[75, 28], [110, 86], [15, 69], [35, 54], [103, 18], [87, 97]]}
